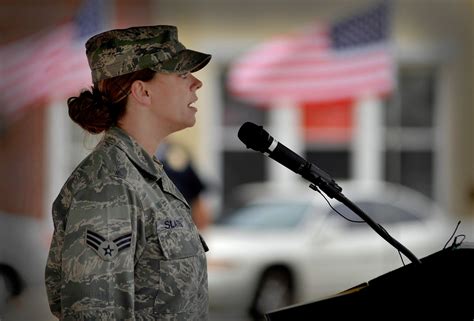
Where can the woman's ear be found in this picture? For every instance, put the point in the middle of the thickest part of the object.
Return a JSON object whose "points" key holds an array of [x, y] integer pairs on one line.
{"points": [[139, 92]]}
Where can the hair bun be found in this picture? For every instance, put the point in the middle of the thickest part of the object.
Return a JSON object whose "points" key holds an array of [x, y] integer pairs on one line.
{"points": [[87, 110]]}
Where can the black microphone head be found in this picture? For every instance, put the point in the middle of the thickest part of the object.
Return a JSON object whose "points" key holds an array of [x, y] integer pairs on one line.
{"points": [[255, 137]]}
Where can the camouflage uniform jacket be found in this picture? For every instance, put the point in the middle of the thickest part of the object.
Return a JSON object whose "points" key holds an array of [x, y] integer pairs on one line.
{"points": [[124, 245]]}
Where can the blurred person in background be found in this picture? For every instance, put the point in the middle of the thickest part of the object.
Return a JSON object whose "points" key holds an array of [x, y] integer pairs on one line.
{"points": [[179, 167], [124, 245]]}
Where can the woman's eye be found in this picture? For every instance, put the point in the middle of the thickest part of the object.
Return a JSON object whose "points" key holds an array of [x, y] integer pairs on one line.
{"points": [[184, 75]]}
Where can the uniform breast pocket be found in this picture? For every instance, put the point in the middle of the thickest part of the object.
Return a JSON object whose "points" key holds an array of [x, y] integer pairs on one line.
{"points": [[183, 271]]}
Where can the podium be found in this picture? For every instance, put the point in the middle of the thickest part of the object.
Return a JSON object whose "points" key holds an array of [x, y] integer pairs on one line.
{"points": [[440, 288]]}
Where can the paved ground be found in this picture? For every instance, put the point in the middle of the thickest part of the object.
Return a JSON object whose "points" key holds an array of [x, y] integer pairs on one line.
{"points": [[32, 305]]}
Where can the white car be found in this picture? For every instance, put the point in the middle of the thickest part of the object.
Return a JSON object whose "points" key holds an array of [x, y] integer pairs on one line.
{"points": [[286, 245]]}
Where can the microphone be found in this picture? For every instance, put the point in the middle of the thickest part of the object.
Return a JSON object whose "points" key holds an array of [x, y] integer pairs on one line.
{"points": [[257, 138]]}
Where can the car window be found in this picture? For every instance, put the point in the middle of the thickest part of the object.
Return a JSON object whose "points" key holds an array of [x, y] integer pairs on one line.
{"points": [[379, 212], [266, 216]]}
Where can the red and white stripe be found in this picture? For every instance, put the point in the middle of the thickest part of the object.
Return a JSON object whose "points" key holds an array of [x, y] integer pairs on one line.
{"points": [[41, 67], [304, 68]]}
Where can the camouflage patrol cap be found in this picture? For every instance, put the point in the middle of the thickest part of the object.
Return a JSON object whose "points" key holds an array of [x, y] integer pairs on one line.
{"points": [[122, 51]]}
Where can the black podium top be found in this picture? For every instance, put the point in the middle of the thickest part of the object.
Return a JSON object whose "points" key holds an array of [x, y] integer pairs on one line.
{"points": [[437, 289]]}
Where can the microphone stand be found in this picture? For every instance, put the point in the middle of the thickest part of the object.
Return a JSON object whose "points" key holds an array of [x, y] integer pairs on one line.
{"points": [[326, 183]]}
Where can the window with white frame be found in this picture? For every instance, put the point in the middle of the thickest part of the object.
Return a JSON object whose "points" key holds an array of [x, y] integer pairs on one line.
{"points": [[409, 147], [410, 126]]}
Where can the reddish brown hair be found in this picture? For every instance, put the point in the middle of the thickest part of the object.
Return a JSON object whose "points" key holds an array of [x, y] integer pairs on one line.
{"points": [[103, 105]]}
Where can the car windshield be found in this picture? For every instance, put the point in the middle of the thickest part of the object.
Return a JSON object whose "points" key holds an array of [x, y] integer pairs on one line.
{"points": [[266, 216]]}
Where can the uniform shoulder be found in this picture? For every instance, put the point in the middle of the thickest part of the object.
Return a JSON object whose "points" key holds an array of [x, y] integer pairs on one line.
{"points": [[105, 167]]}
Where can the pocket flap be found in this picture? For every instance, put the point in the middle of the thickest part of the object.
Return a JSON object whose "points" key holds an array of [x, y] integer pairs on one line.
{"points": [[179, 243]]}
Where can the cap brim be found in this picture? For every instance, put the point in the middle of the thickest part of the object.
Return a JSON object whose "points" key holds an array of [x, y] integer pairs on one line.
{"points": [[186, 60]]}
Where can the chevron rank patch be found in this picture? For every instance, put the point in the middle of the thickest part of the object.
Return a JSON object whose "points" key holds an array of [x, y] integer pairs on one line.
{"points": [[107, 249]]}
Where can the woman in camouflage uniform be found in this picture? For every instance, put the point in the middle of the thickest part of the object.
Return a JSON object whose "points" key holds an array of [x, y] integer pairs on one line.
{"points": [[124, 245]]}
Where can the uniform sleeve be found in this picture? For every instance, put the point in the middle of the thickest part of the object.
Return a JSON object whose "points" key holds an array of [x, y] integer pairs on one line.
{"points": [[53, 267], [98, 251]]}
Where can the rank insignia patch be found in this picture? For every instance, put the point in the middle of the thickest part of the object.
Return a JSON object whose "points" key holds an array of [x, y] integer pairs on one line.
{"points": [[105, 248]]}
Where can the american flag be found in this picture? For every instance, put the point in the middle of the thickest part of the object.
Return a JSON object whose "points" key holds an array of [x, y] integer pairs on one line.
{"points": [[50, 64], [345, 60]]}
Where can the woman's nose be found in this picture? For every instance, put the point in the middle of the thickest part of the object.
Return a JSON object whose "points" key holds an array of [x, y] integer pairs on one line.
{"points": [[196, 83]]}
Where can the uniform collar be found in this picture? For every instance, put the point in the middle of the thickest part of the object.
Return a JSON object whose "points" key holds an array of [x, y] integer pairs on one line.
{"points": [[150, 164]]}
